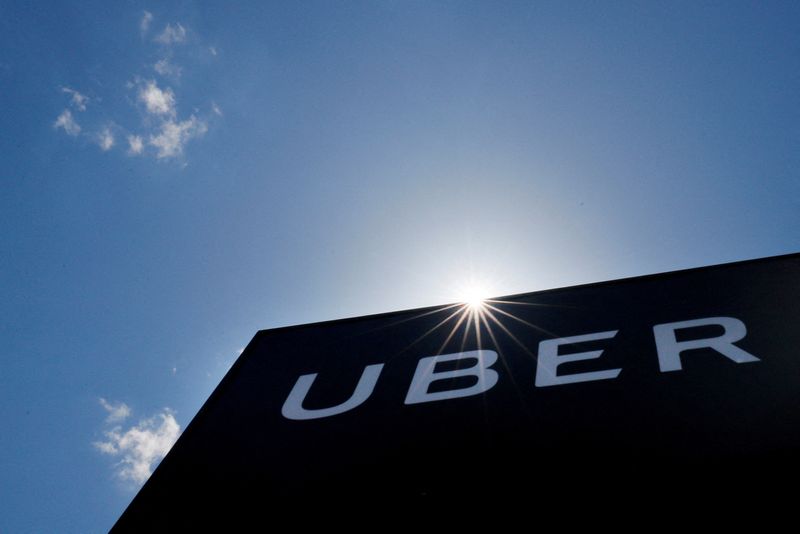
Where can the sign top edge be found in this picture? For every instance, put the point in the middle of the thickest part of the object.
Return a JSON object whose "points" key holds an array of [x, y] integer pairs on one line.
{"points": [[424, 309]]}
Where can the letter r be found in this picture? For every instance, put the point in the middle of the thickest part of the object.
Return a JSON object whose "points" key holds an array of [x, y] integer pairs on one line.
{"points": [[669, 348]]}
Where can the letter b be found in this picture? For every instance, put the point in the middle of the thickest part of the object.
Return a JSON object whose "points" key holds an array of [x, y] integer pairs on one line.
{"points": [[426, 374]]}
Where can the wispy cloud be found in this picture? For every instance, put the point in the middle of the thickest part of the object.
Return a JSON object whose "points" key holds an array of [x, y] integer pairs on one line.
{"points": [[163, 131], [156, 100], [66, 121], [116, 412], [172, 34], [174, 135], [135, 144], [105, 139], [144, 24], [140, 446], [165, 68], [78, 100]]}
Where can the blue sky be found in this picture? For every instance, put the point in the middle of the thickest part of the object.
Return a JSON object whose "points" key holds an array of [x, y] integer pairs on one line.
{"points": [[177, 176]]}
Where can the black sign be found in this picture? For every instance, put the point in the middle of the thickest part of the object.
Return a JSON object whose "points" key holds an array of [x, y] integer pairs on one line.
{"points": [[690, 377]]}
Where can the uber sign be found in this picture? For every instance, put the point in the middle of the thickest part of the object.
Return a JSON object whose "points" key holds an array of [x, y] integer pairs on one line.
{"points": [[690, 377]]}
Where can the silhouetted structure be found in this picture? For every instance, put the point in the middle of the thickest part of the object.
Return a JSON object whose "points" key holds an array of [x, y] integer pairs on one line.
{"points": [[603, 395]]}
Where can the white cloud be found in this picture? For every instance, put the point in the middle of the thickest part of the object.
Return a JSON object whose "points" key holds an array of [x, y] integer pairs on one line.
{"points": [[144, 25], [172, 34], [161, 126], [165, 68], [78, 100], [66, 121], [105, 447], [135, 144], [105, 139], [116, 412], [140, 446], [157, 101], [174, 136]]}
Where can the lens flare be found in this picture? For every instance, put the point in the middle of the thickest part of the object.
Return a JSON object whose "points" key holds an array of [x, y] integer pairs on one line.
{"points": [[473, 295]]}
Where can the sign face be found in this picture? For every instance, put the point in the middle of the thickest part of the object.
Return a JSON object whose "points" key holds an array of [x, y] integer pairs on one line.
{"points": [[690, 377]]}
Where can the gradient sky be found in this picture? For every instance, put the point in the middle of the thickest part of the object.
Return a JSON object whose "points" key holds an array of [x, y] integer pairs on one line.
{"points": [[177, 176]]}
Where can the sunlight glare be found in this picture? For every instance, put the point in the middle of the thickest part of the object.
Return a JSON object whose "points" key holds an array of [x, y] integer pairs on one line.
{"points": [[473, 294]]}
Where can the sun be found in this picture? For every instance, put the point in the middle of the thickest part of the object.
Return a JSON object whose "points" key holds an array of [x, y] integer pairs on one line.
{"points": [[473, 294]]}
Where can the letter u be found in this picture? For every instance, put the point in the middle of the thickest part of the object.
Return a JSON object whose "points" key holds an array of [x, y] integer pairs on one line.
{"points": [[293, 407]]}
